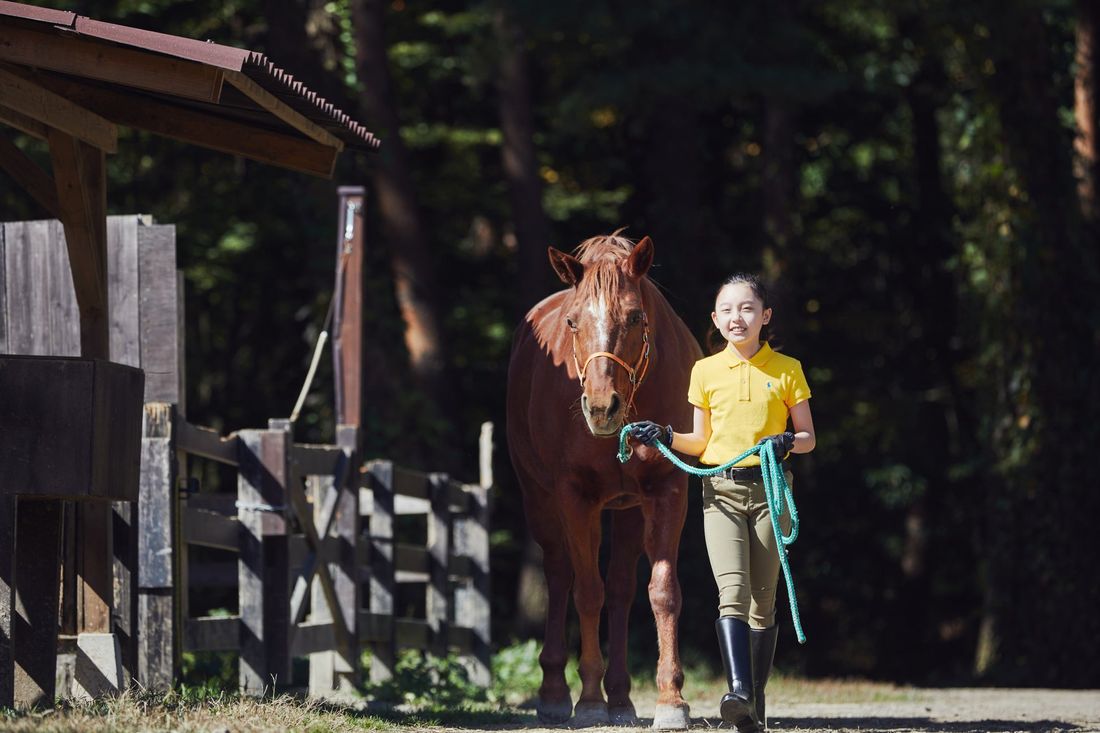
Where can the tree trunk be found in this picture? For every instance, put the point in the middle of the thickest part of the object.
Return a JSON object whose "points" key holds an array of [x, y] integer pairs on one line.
{"points": [[411, 259], [1085, 111], [533, 278], [1042, 622], [521, 169]]}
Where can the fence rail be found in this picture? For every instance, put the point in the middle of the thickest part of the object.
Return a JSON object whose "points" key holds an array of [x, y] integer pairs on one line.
{"points": [[310, 526]]}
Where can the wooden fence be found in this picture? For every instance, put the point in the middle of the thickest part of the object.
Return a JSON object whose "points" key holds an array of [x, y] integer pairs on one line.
{"points": [[311, 526]]}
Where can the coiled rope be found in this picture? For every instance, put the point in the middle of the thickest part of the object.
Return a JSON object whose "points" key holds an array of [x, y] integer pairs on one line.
{"points": [[776, 491]]}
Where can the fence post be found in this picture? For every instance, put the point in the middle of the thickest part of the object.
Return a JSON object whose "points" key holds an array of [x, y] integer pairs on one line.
{"points": [[156, 536], [472, 541], [382, 584], [338, 670], [7, 597], [262, 569], [438, 602]]}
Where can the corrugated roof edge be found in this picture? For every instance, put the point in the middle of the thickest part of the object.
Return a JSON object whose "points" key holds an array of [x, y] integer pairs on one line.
{"points": [[259, 62], [203, 52]]}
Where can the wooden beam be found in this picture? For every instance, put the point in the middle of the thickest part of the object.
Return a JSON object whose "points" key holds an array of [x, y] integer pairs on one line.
{"points": [[280, 109], [21, 122], [30, 176], [71, 54], [198, 128], [29, 98], [80, 175]]}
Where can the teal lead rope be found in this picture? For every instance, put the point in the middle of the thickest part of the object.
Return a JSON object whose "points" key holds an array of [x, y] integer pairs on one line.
{"points": [[776, 491]]}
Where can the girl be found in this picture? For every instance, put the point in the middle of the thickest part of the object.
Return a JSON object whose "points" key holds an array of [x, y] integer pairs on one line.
{"points": [[743, 396]]}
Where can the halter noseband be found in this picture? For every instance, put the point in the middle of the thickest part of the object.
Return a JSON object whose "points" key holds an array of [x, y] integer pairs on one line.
{"points": [[637, 372]]}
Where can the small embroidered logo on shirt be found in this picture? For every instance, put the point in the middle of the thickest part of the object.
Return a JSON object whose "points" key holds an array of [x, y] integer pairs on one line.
{"points": [[769, 385]]}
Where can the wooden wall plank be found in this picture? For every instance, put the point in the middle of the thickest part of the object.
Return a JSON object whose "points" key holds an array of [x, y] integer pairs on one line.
{"points": [[123, 285], [19, 243], [3, 290], [62, 316], [160, 303]]}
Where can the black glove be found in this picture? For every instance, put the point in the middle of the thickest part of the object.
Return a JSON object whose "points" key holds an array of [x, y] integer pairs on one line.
{"points": [[648, 432], [781, 443]]}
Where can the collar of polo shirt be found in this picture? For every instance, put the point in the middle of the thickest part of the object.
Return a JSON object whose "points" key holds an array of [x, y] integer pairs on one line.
{"points": [[760, 358]]}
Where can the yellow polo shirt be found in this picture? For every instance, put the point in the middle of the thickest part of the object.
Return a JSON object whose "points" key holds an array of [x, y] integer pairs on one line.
{"points": [[747, 399]]}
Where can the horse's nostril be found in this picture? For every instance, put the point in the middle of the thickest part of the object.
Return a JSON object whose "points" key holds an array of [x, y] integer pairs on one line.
{"points": [[614, 406]]}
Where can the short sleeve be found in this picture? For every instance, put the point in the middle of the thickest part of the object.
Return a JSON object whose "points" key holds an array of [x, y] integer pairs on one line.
{"points": [[799, 390], [696, 394]]}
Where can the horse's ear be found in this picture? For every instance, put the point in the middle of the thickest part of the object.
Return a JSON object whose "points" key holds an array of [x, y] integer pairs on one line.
{"points": [[641, 257], [569, 268]]}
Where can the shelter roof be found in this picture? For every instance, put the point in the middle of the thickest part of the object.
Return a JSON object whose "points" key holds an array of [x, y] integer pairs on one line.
{"points": [[226, 98]]}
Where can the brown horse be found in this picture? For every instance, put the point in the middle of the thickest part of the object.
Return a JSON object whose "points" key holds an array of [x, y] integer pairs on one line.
{"points": [[585, 361]]}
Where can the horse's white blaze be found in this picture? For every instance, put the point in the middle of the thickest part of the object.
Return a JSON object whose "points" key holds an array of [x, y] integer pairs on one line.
{"points": [[599, 314]]}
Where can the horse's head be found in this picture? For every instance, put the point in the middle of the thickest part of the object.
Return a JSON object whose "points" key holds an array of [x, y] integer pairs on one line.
{"points": [[610, 331]]}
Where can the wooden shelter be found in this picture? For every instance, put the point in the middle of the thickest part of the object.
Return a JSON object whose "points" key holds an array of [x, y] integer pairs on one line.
{"points": [[71, 81]]}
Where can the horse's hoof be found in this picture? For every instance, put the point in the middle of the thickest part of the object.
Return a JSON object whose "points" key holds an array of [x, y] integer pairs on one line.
{"points": [[622, 715], [555, 713], [672, 717], [590, 713]]}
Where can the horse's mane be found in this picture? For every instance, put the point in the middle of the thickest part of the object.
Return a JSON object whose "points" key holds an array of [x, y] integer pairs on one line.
{"points": [[610, 247], [601, 256]]}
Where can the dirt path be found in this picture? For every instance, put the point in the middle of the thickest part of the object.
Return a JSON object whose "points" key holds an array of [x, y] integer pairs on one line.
{"points": [[900, 710]]}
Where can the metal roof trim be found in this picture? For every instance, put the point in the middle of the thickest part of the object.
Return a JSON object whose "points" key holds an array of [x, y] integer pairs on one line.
{"points": [[32, 12], [203, 52]]}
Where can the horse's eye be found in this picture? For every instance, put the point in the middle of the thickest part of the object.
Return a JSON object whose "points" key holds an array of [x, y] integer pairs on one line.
{"points": [[571, 323], [635, 318]]}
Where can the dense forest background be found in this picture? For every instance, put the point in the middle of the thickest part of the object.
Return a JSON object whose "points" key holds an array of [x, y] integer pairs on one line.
{"points": [[916, 178]]}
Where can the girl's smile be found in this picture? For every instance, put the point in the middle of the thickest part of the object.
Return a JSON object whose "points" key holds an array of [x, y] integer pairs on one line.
{"points": [[739, 315]]}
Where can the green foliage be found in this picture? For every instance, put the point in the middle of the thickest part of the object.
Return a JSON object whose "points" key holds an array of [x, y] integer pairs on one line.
{"points": [[427, 682]]}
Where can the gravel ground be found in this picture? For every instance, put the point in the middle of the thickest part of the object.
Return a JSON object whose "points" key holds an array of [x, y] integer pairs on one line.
{"points": [[900, 710]]}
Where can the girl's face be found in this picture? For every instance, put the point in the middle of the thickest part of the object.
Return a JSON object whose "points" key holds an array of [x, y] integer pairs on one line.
{"points": [[739, 315]]}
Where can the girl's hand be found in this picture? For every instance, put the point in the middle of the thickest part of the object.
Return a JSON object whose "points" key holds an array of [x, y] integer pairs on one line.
{"points": [[649, 433], [781, 443]]}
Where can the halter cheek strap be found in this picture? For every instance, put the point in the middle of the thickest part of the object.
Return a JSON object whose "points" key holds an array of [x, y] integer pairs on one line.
{"points": [[637, 372]]}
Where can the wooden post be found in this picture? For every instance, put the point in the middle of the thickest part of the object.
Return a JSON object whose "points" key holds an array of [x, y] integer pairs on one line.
{"points": [[472, 540], [264, 582], [156, 511], [7, 587], [382, 584], [338, 670], [438, 601], [347, 324], [34, 623]]}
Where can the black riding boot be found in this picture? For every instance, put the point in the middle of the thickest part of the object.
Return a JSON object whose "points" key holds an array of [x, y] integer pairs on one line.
{"points": [[763, 651], [738, 706]]}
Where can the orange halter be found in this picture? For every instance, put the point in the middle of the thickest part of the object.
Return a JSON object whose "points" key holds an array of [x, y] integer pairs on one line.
{"points": [[637, 372]]}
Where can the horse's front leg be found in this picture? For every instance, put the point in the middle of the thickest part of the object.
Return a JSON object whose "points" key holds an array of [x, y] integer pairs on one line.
{"points": [[582, 520], [665, 508], [627, 534]]}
